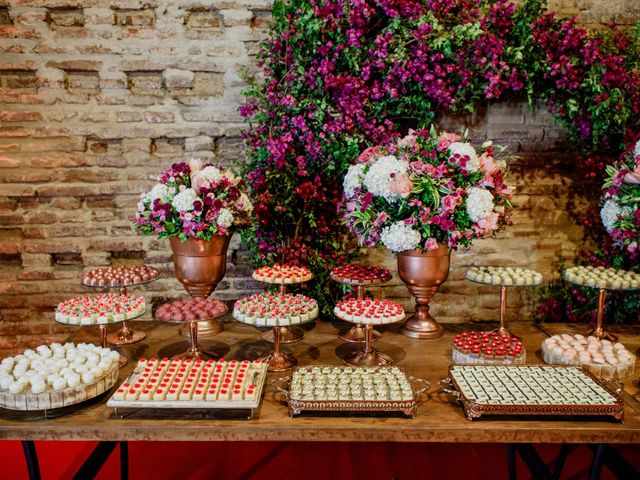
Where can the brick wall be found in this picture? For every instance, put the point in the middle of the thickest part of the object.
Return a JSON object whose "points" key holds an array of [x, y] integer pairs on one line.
{"points": [[96, 97]]}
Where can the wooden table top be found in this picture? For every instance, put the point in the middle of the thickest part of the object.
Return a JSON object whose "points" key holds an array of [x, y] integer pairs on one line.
{"points": [[439, 419]]}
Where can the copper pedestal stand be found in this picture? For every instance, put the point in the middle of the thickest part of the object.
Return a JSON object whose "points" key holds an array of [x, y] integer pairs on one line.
{"points": [[502, 329], [278, 360], [368, 356], [356, 333], [286, 334], [126, 335], [195, 351]]}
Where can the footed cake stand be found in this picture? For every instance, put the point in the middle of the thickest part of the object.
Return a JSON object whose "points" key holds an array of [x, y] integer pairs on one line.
{"points": [[195, 351], [126, 335], [278, 360], [602, 284], [368, 356], [504, 281], [103, 333], [357, 333], [287, 334]]}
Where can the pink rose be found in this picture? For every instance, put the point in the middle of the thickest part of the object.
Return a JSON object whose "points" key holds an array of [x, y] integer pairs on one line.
{"points": [[489, 223], [409, 140], [198, 182], [634, 177], [431, 244], [450, 202], [370, 153], [504, 190], [447, 139], [401, 185], [488, 164], [195, 165]]}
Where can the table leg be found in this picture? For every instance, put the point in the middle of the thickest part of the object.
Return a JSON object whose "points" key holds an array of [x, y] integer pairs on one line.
{"points": [[124, 460], [94, 463], [31, 457]]}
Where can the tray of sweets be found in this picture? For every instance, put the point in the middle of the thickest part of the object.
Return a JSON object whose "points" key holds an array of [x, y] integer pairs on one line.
{"points": [[540, 390], [352, 389], [192, 384]]}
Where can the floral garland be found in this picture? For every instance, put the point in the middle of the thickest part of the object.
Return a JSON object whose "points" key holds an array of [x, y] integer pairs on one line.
{"points": [[338, 76]]}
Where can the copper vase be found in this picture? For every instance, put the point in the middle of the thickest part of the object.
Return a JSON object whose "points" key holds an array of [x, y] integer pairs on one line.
{"points": [[423, 273], [199, 266]]}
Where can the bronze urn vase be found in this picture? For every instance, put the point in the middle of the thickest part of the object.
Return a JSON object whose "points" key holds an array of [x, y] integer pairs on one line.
{"points": [[423, 273], [199, 266]]}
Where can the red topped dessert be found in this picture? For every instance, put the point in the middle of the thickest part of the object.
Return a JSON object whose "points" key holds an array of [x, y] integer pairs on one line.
{"points": [[369, 310], [271, 309], [282, 274], [487, 347], [358, 274], [191, 310], [119, 276]]}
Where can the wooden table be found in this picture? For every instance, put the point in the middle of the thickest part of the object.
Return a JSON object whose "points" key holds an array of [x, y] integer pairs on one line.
{"points": [[438, 420]]}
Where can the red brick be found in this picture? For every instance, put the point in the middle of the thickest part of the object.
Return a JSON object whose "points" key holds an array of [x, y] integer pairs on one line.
{"points": [[13, 116]]}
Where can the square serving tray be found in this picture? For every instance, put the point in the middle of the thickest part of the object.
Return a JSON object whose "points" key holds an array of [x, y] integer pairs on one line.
{"points": [[541, 390], [298, 403]]}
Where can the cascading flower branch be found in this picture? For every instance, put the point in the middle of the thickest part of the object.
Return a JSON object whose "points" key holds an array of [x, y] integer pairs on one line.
{"points": [[194, 200], [620, 212], [424, 190]]}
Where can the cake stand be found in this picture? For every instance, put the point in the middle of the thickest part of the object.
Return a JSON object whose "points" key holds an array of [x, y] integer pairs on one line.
{"points": [[598, 331], [287, 334], [195, 351], [126, 335], [278, 360], [356, 333], [502, 330], [103, 332], [368, 356]]}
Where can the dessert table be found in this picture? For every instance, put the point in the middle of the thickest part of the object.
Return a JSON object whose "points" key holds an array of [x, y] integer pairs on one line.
{"points": [[439, 419]]}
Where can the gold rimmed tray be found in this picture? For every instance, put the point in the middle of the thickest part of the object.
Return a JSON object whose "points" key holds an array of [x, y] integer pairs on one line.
{"points": [[65, 397], [297, 404], [531, 390]]}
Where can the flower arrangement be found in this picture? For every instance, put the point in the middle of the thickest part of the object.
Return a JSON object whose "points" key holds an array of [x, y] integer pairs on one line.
{"points": [[194, 200], [424, 190], [620, 212]]}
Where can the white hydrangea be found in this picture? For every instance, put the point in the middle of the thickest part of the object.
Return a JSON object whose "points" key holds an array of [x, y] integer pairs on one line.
{"points": [[225, 218], [611, 211], [381, 175], [399, 237], [183, 201], [465, 149], [353, 179], [479, 203], [211, 174], [636, 150], [159, 191]]}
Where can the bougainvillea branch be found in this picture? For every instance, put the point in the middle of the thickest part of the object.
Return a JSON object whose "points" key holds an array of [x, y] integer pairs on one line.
{"points": [[337, 76]]}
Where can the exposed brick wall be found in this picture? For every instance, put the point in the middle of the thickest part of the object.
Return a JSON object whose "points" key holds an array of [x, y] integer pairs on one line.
{"points": [[96, 97]]}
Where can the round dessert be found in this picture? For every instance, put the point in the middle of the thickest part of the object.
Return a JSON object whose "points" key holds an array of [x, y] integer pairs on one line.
{"points": [[369, 310], [119, 276], [100, 309], [281, 274], [273, 309], [191, 310], [601, 357], [358, 274], [487, 348], [600, 277], [56, 375], [509, 276]]}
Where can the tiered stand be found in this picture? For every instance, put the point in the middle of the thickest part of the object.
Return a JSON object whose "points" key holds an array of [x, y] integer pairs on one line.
{"points": [[287, 334], [195, 351], [103, 333], [357, 333], [368, 356], [125, 335], [598, 331], [502, 330], [278, 360]]}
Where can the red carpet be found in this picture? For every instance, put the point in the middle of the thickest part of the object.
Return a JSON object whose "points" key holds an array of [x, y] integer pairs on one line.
{"points": [[293, 461]]}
